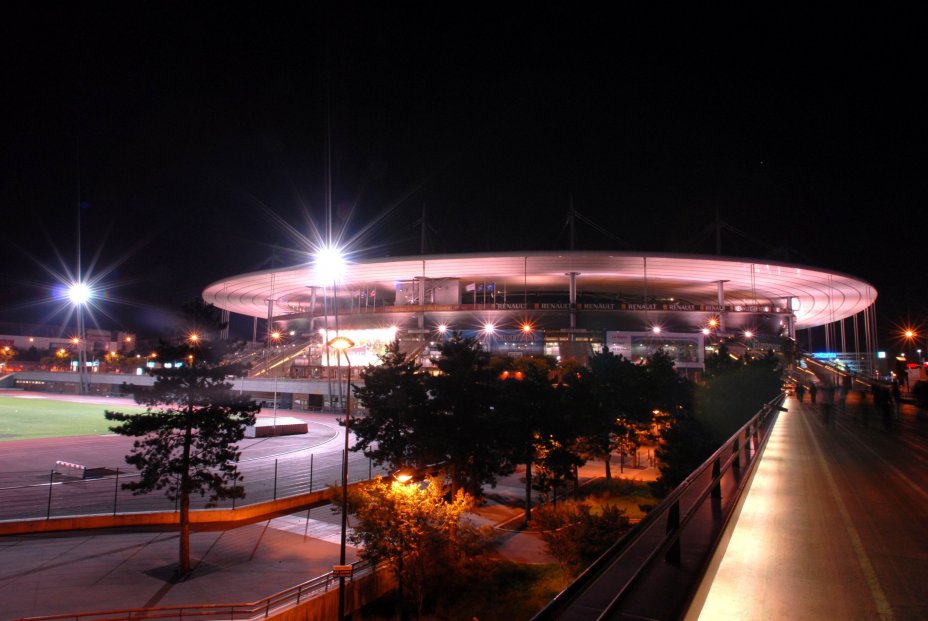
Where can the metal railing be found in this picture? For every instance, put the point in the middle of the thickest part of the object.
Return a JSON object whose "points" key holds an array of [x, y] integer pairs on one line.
{"points": [[262, 609], [654, 570]]}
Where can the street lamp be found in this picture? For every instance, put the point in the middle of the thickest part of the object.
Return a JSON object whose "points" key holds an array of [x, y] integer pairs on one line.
{"points": [[401, 479], [342, 344], [79, 293]]}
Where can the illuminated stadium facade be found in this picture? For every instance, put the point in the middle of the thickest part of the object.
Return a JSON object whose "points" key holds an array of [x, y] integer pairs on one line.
{"points": [[561, 303]]}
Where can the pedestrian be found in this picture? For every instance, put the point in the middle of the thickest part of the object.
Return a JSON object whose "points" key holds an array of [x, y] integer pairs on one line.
{"points": [[828, 403], [897, 399], [842, 393], [800, 391], [813, 390]]}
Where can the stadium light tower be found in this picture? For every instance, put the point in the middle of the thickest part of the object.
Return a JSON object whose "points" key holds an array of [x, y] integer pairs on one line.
{"points": [[80, 294], [329, 264]]}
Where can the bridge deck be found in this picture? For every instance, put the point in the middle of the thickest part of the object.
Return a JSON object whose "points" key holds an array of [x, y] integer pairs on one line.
{"points": [[835, 525]]}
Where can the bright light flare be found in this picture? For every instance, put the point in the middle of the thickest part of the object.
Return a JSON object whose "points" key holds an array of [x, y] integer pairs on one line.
{"points": [[526, 328], [79, 293], [489, 328], [442, 328], [330, 263], [748, 334]]}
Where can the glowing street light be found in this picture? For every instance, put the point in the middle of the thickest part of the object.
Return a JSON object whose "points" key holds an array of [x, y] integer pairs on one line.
{"points": [[342, 344], [911, 335]]}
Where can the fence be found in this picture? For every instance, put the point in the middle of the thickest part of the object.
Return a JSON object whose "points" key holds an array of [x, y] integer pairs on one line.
{"points": [[70, 490], [262, 609]]}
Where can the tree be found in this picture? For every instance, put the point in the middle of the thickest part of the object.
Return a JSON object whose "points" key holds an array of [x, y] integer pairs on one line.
{"points": [[463, 423], [415, 529], [395, 400], [619, 405], [187, 439], [527, 406], [684, 446], [558, 449], [734, 390]]}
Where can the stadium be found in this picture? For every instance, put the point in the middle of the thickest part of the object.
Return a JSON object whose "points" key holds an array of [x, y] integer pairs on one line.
{"points": [[558, 303]]}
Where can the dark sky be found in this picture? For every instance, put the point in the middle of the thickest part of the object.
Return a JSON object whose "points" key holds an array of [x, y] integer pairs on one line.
{"points": [[195, 138]]}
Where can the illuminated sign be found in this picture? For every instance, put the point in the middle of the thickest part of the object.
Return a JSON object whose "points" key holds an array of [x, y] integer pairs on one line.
{"points": [[825, 355]]}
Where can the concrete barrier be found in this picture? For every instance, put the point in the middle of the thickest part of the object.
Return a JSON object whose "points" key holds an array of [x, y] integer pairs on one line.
{"points": [[202, 517]]}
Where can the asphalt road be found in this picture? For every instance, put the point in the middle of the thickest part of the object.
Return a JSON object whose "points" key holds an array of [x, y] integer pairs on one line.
{"points": [[835, 525]]}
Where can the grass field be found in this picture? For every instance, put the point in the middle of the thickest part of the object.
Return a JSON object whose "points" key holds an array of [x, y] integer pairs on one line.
{"points": [[21, 419]]}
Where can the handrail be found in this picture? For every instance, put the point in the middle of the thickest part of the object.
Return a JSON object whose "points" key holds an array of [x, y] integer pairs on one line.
{"points": [[611, 582], [260, 609]]}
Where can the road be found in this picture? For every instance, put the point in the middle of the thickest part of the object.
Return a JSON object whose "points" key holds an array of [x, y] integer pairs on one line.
{"points": [[834, 525]]}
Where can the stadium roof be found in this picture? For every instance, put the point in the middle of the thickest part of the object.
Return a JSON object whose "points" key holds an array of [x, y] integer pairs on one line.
{"points": [[818, 296]]}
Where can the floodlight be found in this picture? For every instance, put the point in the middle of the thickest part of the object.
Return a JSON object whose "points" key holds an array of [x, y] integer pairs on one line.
{"points": [[330, 263], [79, 293]]}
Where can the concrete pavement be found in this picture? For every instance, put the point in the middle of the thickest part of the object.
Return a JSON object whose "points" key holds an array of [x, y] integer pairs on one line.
{"points": [[833, 525]]}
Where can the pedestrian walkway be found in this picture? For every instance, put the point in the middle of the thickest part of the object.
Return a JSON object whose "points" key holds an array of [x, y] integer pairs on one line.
{"points": [[833, 525]]}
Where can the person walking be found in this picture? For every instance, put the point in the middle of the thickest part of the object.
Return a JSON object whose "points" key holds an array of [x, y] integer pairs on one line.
{"points": [[800, 391], [828, 403], [897, 399], [842, 394], [813, 390]]}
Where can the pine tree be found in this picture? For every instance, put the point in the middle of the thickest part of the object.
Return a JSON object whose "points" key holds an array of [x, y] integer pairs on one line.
{"points": [[187, 439]]}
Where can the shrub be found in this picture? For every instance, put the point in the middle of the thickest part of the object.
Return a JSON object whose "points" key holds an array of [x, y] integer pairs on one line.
{"points": [[576, 534]]}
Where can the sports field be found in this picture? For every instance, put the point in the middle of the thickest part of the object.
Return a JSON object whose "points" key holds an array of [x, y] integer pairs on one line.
{"points": [[24, 418]]}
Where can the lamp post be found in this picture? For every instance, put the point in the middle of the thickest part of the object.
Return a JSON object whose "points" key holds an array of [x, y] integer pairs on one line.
{"points": [[79, 294], [275, 337], [341, 344], [402, 478]]}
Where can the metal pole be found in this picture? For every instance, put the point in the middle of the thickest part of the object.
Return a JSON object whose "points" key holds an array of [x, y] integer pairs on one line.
{"points": [[275, 479], [116, 491], [310, 473], [341, 555], [51, 480]]}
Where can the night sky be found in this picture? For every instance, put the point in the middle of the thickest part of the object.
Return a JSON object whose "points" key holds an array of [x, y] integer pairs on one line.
{"points": [[192, 139]]}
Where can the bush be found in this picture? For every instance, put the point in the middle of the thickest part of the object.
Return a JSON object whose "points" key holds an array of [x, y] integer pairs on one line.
{"points": [[576, 534]]}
